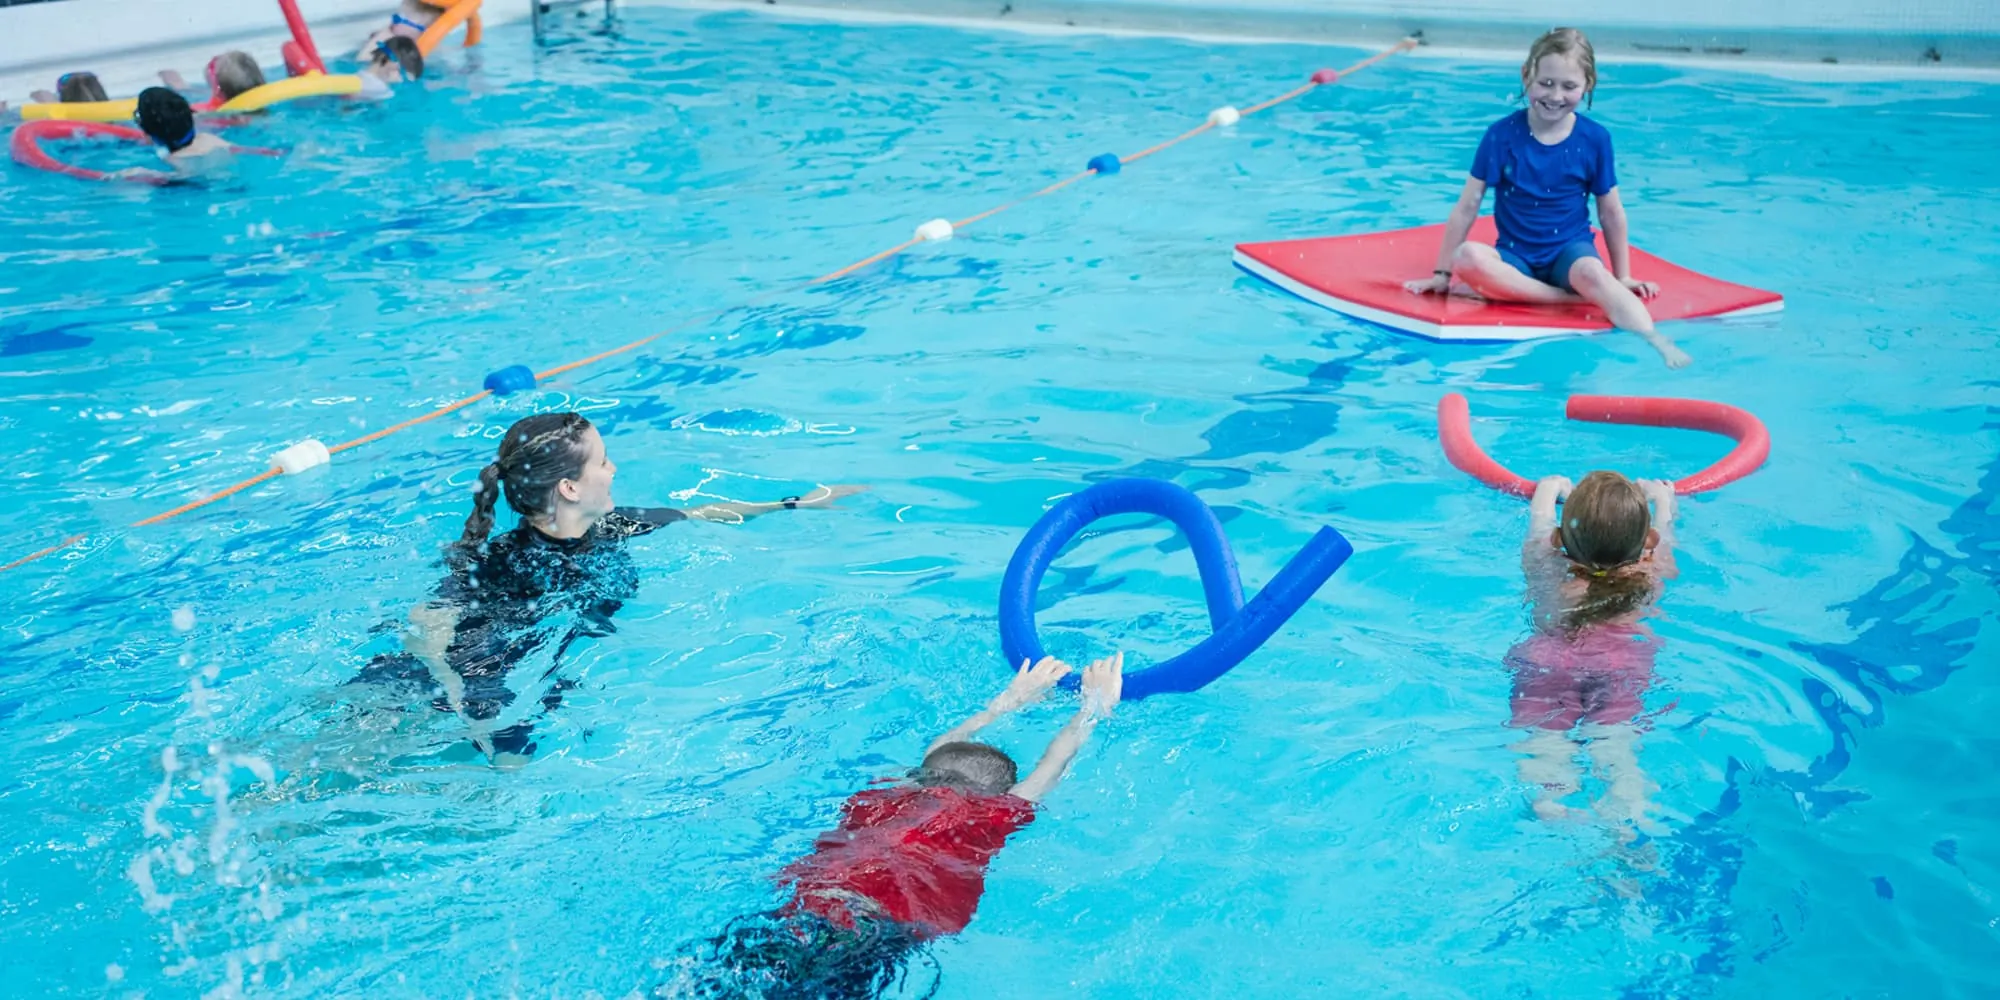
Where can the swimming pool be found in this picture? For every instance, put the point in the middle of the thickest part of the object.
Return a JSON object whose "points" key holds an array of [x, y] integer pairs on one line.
{"points": [[1340, 815]]}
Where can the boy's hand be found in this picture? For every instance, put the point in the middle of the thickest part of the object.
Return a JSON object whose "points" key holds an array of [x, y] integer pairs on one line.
{"points": [[1029, 684], [1103, 685], [1558, 486]]}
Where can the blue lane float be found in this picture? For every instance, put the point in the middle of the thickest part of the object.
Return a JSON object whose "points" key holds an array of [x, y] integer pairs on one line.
{"points": [[1237, 629], [510, 379], [1105, 163]]}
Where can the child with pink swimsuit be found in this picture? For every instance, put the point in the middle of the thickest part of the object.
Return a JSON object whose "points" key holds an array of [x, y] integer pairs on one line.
{"points": [[1580, 678]]}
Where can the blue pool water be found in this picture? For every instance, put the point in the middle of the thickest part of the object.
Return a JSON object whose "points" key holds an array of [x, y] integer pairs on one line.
{"points": [[1339, 816]]}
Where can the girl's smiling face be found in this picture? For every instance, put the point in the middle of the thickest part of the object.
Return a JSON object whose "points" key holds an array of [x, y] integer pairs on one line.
{"points": [[1554, 89]]}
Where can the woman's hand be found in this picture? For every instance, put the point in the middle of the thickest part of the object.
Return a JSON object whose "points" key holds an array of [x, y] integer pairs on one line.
{"points": [[1436, 284], [820, 497]]}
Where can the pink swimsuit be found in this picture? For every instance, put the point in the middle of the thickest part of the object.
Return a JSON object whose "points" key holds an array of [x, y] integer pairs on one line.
{"points": [[1595, 676]]}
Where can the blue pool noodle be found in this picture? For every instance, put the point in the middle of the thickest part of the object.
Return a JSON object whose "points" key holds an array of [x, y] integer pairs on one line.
{"points": [[1238, 628]]}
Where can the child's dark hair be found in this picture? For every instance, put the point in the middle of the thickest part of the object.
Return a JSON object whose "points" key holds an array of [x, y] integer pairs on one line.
{"points": [[1604, 527], [235, 72], [536, 454], [974, 766], [166, 117], [79, 88], [404, 53], [1563, 42]]}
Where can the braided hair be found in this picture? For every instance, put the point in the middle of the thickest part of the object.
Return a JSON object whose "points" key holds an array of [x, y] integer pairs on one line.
{"points": [[536, 454]]}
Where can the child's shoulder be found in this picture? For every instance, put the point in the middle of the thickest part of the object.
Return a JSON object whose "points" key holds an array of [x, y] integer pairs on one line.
{"points": [[1515, 121], [1590, 128]]}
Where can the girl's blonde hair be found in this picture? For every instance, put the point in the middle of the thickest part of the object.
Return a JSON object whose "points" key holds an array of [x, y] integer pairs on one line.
{"points": [[1563, 42], [1604, 529]]}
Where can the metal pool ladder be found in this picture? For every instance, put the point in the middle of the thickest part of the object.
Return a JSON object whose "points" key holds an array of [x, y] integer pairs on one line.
{"points": [[549, 20]]}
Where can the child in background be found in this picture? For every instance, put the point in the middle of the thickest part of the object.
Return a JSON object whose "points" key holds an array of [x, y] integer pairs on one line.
{"points": [[73, 88], [395, 60], [168, 118], [1592, 578], [1541, 162], [229, 74], [409, 21], [907, 863]]}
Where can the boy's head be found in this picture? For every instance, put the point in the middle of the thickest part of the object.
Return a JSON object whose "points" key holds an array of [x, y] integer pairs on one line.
{"points": [[232, 73], [79, 88], [166, 117], [397, 57], [973, 767], [1605, 523]]}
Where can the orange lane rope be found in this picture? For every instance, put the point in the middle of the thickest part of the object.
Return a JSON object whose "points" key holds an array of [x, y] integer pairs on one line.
{"points": [[274, 471]]}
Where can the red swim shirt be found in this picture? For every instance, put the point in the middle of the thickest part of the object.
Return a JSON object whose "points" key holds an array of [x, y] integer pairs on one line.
{"points": [[912, 853]]}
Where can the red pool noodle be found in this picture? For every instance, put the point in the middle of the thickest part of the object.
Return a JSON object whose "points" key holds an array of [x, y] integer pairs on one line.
{"points": [[304, 38], [26, 147], [1753, 442], [1455, 433]]}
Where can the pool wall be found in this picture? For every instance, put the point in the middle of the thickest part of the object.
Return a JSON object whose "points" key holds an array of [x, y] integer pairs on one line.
{"points": [[1939, 33], [126, 42]]}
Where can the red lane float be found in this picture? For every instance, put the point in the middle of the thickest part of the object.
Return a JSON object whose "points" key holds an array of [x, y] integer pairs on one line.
{"points": [[301, 55], [1753, 442], [27, 151]]}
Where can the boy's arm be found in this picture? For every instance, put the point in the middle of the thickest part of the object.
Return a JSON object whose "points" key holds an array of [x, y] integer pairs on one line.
{"points": [[1103, 684], [1456, 226], [1027, 687], [1611, 219]]}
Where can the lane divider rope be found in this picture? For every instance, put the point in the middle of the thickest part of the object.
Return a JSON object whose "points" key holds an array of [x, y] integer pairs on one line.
{"points": [[311, 454]]}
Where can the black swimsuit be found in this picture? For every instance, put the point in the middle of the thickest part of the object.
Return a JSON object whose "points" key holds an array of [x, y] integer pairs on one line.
{"points": [[506, 591]]}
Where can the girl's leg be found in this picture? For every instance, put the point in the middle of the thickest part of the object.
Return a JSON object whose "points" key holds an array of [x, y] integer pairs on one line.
{"points": [[1480, 266], [1614, 756], [1595, 282], [1548, 762]]}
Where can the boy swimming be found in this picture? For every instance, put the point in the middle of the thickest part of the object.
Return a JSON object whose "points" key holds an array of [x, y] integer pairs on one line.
{"points": [[907, 863]]}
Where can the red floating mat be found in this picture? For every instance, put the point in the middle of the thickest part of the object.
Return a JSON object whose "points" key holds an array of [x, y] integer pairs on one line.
{"points": [[1362, 276]]}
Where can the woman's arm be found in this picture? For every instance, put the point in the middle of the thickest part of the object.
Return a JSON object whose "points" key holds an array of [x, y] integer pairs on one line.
{"points": [[735, 512], [1103, 684], [1611, 219], [1456, 226]]}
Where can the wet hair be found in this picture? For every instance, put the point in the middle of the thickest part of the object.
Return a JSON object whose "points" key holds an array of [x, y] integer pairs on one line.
{"points": [[234, 73], [79, 88], [1563, 42], [971, 766], [403, 52], [166, 117], [536, 454], [1604, 526]]}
